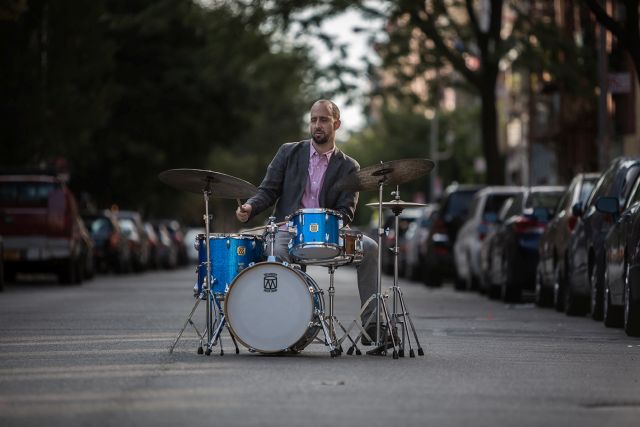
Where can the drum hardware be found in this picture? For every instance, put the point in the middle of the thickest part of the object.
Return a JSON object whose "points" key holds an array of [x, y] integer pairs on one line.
{"points": [[393, 172], [219, 185], [397, 206]]}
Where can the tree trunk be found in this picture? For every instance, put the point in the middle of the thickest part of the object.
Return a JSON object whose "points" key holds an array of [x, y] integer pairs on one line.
{"points": [[495, 164]]}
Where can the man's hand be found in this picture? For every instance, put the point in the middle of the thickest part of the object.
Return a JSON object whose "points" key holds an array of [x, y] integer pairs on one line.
{"points": [[243, 212]]}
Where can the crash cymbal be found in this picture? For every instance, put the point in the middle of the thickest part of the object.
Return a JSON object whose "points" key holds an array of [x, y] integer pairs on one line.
{"points": [[394, 172], [218, 184]]}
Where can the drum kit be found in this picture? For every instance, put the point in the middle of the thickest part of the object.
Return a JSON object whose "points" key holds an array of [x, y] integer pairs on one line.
{"points": [[275, 307]]}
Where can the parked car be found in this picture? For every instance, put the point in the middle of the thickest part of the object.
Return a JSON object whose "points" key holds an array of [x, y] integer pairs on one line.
{"points": [[491, 266], [177, 236], [552, 268], [42, 229], [133, 229], [416, 243], [111, 248], [453, 210], [406, 217], [482, 214], [167, 251], [584, 287], [515, 244], [621, 299], [1, 264]]}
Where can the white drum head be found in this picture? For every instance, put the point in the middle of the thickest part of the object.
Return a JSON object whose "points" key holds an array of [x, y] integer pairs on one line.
{"points": [[269, 307]]}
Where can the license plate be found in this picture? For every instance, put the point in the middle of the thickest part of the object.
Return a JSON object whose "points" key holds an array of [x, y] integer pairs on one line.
{"points": [[12, 255]]}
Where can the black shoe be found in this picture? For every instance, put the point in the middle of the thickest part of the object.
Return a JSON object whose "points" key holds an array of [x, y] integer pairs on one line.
{"points": [[371, 331]]}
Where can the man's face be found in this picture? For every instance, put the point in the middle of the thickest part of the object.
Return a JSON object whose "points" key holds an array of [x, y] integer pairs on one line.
{"points": [[322, 125]]}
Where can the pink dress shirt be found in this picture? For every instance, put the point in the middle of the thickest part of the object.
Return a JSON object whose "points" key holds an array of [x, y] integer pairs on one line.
{"points": [[318, 164]]}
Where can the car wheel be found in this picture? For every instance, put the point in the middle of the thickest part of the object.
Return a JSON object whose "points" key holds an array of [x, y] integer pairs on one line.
{"points": [[631, 308], [559, 288], [596, 293], [511, 291], [542, 297], [611, 315], [68, 272]]}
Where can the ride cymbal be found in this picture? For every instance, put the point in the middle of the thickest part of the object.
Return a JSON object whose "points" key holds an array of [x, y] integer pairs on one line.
{"points": [[394, 172], [218, 184]]}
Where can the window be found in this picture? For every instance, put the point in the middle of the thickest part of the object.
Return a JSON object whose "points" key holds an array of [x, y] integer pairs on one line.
{"points": [[26, 193]]}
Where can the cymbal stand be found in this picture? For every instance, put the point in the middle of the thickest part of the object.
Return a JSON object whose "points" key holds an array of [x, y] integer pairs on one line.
{"points": [[381, 344], [398, 298], [207, 294]]}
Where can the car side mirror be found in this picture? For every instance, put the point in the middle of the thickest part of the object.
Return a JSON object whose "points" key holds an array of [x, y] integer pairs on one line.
{"points": [[576, 209], [608, 205]]}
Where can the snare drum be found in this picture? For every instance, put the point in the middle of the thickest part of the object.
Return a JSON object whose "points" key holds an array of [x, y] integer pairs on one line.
{"points": [[351, 246], [230, 254], [271, 308], [315, 234]]}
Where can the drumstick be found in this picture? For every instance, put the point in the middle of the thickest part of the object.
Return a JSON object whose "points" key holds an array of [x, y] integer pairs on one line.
{"points": [[239, 202]]}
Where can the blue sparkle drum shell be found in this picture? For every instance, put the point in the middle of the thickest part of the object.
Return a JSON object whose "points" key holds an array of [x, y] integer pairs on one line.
{"points": [[230, 254], [315, 234]]}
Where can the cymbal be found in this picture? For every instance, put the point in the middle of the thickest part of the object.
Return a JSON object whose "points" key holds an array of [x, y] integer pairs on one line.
{"points": [[397, 204], [394, 172], [218, 184]]}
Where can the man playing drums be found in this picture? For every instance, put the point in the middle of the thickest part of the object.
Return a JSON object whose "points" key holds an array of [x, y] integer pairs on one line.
{"points": [[303, 175]]}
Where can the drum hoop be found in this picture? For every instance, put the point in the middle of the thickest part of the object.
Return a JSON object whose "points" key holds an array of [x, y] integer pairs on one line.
{"points": [[226, 313], [237, 236], [317, 211]]}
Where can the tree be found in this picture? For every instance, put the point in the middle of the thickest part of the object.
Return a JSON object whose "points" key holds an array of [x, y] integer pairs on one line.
{"points": [[627, 31]]}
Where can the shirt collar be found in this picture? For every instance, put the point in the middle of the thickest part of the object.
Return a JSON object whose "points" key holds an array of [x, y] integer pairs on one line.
{"points": [[313, 151]]}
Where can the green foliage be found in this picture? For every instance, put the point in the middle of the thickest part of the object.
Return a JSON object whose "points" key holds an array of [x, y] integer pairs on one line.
{"points": [[124, 89]]}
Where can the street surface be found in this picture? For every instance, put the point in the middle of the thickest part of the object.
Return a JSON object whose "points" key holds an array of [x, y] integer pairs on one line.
{"points": [[96, 355]]}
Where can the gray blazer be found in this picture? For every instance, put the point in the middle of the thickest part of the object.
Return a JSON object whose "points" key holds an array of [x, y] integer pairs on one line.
{"points": [[287, 176]]}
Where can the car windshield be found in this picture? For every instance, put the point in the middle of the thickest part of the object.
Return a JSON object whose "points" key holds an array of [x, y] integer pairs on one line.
{"points": [[587, 186], [100, 227], [459, 203], [495, 202], [26, 193], [546, 199]]}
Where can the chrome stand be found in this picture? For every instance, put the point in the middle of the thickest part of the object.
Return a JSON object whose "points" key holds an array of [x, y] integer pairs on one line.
{"points": [[389, 340], [398, 299], [214, 324]]}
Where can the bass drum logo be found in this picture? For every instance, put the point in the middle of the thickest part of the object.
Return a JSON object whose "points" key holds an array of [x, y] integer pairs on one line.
{"points": [[270, 282]]}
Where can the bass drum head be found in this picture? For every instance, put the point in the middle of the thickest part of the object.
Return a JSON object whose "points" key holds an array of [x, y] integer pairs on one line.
{"points": [[269, 307]]}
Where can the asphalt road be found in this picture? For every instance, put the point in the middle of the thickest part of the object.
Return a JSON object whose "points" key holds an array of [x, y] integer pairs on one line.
{"points": [[96, 355]]}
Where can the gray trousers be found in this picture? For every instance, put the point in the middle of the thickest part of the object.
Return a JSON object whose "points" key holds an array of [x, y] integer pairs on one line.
{"points": [[366, 270]]}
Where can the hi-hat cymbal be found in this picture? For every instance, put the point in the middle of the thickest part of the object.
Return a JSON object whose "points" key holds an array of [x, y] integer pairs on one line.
{"points": [[394, 172], [397, 204], [218, 184]]}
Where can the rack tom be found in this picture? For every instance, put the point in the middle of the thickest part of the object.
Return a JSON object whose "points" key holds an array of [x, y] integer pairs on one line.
{"points": [[315, 234]]}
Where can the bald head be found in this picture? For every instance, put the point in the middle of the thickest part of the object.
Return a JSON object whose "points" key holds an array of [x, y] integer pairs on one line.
{"points": [[331, 106]]}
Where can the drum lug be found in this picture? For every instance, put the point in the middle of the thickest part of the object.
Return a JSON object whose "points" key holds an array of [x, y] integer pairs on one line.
{"points": [[285, 263]]}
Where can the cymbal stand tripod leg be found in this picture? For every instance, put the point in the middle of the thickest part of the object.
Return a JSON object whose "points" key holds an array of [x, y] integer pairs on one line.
{"points": [[405, 315], [187, 322]]}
